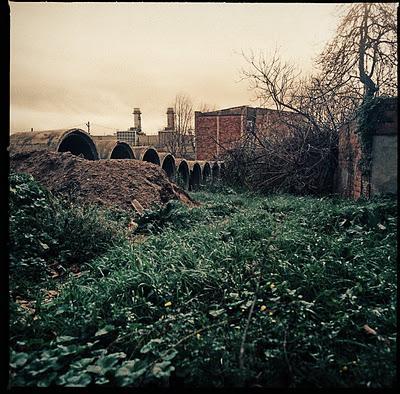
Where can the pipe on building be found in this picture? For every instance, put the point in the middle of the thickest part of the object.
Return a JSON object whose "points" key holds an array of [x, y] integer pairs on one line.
{"points": [[76, 141], [195, 175], [110, 148], [168, 164], [147, 153], [183, 173]]}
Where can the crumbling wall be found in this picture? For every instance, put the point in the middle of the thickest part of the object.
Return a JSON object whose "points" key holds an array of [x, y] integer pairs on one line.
{"points": [[350, 181]]}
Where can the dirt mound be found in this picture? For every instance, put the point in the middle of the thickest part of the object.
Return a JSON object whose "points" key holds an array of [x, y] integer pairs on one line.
{"points": [[112, 183]]}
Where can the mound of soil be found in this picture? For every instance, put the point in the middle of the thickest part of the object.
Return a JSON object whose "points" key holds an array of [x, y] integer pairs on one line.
{"points": [[111, 183]]}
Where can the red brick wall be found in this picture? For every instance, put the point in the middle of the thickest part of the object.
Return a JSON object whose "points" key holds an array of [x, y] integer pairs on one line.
{"points": [[349, 180], [349, 177], [230, 128], [214, 133], [270, 122], [206, 135]]}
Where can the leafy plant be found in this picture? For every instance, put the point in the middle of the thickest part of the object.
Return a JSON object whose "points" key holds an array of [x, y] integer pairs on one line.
{"points": [[241, 291], [45, 231]]}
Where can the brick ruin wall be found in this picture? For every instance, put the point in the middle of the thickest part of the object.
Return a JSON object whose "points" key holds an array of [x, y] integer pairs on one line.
{"points": [[349, 177], [349, 180]]}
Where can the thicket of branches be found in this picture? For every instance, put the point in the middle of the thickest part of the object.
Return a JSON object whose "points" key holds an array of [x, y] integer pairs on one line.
{"points": [[300, 162], [297, 152]]}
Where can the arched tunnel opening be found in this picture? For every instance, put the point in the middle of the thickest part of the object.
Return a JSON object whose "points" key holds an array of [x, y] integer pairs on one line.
{"points": [[122, 151], [183, 175], [206, 173], [215, 173], [223, 170], [151, 156], [195, 177], [168, 165], [79, 144]]}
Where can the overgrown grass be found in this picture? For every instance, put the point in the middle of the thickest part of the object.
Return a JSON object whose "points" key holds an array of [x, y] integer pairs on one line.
{"points": [[46, 232], [241, 291]]}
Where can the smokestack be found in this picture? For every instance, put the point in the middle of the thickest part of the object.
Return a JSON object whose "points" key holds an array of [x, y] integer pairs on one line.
{"points": [[170, 118], [137, 124]]}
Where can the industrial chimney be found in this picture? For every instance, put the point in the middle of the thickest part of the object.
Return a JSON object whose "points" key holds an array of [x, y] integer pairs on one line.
{"points": [[170, 119], [137, 124]]}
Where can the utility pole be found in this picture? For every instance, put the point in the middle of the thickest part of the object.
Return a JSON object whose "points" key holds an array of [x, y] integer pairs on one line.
{"points": [[88, 127]]}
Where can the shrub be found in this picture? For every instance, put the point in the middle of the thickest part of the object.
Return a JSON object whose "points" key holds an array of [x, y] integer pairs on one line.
{"points": [[46, 231]]}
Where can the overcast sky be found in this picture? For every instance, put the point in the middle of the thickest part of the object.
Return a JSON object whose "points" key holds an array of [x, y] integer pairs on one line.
{"points": [[78, 62]]}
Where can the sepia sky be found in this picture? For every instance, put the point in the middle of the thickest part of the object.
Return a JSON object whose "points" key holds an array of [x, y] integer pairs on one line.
{"points": [[78, 62]]}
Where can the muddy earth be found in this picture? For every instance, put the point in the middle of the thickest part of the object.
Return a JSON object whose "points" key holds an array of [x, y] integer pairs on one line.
{"points": [[111, 183]]}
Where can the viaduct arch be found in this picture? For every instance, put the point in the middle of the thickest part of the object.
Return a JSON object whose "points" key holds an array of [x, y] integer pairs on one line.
{"points": [[189, 174], [195, 175], [183, 173], [168, 165], [111, 149], [76, 141]]}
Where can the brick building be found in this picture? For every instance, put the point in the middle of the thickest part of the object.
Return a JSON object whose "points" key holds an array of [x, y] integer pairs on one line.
{"points": [[218, 131]]}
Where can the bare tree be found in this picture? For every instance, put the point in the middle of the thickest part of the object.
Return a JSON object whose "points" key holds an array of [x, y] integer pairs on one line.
{"points": [[204, 107], [363, 53], [293, 145], [181, 139], [297, 152]]}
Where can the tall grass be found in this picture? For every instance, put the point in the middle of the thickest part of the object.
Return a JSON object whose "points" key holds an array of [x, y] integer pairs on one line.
{"points": [[241, 291]]}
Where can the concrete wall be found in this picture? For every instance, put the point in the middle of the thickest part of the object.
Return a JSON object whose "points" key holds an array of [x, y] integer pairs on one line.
{"points": [[384, 164], [146, 140]]}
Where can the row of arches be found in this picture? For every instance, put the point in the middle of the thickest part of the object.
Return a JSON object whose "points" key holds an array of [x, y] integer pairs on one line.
{"points": [[186, 173]]}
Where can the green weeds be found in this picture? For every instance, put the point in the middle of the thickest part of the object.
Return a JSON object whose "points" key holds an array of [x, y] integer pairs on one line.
{"points": [[47, 232], [240, 291]]}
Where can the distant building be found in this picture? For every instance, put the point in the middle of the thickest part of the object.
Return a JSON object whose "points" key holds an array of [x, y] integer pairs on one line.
{"points": [[166, 139], [218, 131], [131, 136]]}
